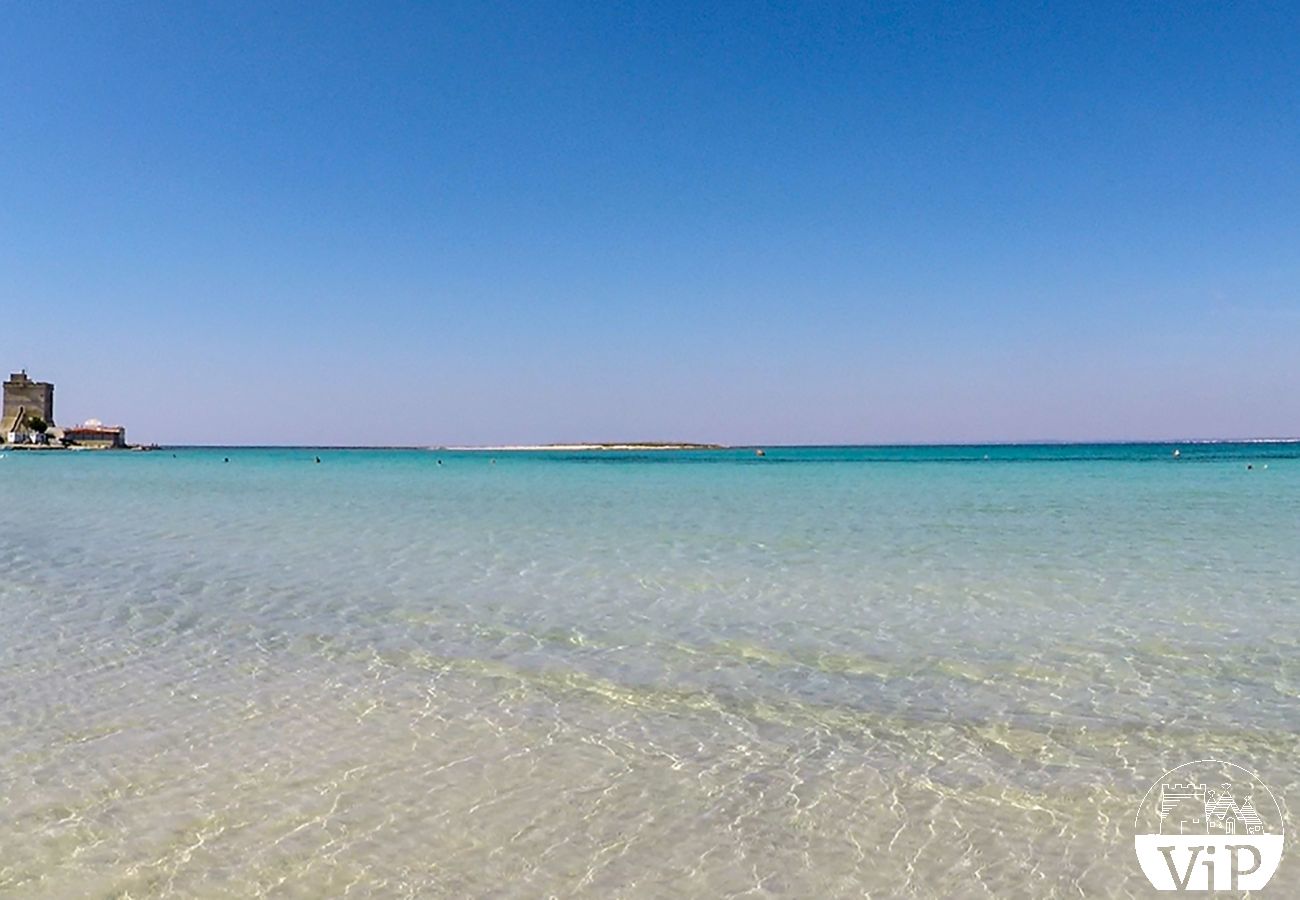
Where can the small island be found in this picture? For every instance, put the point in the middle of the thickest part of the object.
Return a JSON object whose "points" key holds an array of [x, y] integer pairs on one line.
{"points": [[634, 445]]}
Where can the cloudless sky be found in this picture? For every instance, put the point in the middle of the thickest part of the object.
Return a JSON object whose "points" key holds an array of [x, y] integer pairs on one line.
{"points": [[745, 222]]}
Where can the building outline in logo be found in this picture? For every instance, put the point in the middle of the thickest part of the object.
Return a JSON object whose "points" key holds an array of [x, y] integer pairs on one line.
{"points": [[1225, 837]]}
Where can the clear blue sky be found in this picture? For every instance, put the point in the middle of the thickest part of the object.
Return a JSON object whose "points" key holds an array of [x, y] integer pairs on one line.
{"points": [[743, 222]]}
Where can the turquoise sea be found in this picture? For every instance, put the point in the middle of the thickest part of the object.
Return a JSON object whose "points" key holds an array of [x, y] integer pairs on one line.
{"points": [[826, 672]]}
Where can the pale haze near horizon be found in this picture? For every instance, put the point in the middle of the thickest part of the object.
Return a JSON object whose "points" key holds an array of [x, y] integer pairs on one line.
{"points": [[477, 224]]}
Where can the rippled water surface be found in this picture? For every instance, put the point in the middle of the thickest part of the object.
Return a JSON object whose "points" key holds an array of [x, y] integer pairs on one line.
{"points": [[825, 672]]}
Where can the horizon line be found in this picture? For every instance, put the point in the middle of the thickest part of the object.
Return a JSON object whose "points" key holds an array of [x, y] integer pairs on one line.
{"points": [[714, 446]]}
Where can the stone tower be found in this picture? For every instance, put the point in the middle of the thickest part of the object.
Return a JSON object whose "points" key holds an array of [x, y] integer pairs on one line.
{"points": [[24, 397]]}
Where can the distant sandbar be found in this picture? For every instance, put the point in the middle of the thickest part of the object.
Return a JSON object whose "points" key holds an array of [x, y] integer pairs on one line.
{"points": [[650, 445]]}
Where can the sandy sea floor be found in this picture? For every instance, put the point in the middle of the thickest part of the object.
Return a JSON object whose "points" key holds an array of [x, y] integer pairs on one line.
{"points": [[825, 673]]}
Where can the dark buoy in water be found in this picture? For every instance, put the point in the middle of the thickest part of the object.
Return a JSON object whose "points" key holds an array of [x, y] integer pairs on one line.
{"points": [[318, 460], [1249, 467], [227, 459], [439, 462], [760, 452]]}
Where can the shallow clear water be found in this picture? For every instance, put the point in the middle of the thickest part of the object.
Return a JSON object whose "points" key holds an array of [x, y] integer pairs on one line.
{"points": [[826, 672]]}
